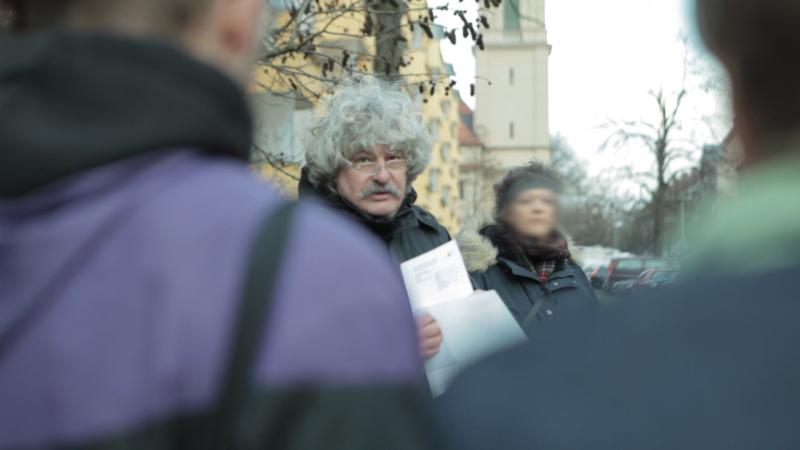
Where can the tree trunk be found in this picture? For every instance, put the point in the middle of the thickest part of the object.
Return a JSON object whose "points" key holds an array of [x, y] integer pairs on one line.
{"points": [[661, 189], [658, 220]]}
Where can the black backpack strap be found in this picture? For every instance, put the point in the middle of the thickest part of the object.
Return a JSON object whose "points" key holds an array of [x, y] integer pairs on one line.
{"points": [[262, 276]]}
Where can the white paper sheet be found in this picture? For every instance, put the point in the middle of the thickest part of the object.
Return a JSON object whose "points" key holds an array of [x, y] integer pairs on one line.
{"points": [[474, 324], [436, 276], [473, 328]]}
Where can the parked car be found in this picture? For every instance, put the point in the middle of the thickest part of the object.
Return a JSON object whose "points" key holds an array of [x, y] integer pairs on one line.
{"points": [[625, 269], [655, 278], [624, 287], [597, 276]]}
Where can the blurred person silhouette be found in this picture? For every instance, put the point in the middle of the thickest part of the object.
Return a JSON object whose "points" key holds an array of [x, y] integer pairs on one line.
{"points": [[713, 363], [155, 294], [521, 253], [362, 155]]}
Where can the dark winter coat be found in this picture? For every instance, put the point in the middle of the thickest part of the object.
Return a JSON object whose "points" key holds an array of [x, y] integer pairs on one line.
{"points": [[411, 232], [710, 365], [414, 232], [566, 292]]}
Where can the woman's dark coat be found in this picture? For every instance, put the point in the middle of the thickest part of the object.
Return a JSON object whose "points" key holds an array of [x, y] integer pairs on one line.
{"points": [[566, 293]]}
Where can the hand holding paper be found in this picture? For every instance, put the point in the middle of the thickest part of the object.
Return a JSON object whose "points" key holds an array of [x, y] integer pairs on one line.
{"points": [[473, 324], [430, 336]]}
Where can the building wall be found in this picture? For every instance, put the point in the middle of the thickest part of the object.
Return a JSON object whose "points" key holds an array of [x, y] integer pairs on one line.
{"points": [[438, 187], [507, 158], [512, 104], [280, 123], [511, 116], [476, 184]]}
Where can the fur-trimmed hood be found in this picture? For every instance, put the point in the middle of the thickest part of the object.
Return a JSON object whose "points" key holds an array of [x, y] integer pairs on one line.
{"points": [[478, 251]]}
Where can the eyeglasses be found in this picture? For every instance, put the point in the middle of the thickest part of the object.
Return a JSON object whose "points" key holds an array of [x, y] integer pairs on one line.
{"points": [[371, 168]]}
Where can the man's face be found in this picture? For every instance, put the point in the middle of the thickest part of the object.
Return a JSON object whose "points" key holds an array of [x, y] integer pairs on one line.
{"points": [[375, 181]]}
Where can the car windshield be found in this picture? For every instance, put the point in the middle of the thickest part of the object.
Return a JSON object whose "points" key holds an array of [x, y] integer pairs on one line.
{"points": [[664, 276], [629, 264], [659, 263]]}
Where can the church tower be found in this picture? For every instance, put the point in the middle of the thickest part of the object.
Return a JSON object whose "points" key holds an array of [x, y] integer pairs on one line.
{"points": [[511, 113]]}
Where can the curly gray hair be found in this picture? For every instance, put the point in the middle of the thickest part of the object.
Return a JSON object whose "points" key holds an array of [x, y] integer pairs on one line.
{"points": [[361, 114]]}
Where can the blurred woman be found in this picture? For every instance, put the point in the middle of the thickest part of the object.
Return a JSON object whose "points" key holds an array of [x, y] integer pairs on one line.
{"points": [[521, 253]]}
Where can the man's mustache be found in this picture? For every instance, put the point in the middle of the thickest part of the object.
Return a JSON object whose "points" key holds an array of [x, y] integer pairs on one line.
{"points": [[375, 188]]}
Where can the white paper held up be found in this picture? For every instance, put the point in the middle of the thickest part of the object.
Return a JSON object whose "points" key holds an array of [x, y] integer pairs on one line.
{"points": [[474, 324], [473, 328], [436, 276]]}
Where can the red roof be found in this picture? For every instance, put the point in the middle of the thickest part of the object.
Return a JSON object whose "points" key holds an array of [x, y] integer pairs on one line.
{"points": [[463, 108], [467, 137]]}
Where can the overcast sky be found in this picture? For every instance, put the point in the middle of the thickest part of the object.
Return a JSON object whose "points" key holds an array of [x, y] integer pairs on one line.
{"points": [[607, 55]]}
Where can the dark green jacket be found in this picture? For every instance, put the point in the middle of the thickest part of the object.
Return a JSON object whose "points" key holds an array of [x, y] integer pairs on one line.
{"points": [[567, 292], [412, 232]]}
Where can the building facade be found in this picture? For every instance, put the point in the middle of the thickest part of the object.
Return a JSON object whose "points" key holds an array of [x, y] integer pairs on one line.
{"points": [[512, 107], [510, 125], [438, 187], [478, 171]]}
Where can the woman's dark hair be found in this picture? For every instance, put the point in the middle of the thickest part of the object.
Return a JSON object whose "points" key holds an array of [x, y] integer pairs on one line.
{"points": [[533, 174]]}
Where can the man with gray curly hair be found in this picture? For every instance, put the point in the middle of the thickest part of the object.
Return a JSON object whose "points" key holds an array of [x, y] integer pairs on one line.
{"points": [[362, 156]]}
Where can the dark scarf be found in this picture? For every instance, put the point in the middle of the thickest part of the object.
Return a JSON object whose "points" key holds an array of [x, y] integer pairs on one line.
{"points": [[71, 101], [540, 256], [381, 226]]}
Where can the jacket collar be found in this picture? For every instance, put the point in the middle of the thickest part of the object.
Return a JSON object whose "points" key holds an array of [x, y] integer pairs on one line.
{"points": [[425, 218], [71, 101], [517, 270], [408, 216], [480, 252]]}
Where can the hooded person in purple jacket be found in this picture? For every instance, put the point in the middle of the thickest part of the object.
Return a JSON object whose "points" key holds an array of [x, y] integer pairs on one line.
{"points": [[153, 294]]}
